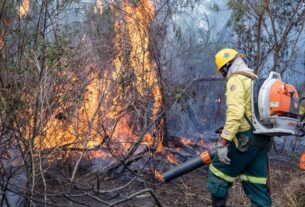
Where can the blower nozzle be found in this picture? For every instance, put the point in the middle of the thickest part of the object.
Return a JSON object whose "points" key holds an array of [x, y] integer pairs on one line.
{"points": [[205, 158]]}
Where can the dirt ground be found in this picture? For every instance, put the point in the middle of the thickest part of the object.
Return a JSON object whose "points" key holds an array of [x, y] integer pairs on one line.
{"points": [[288, 189], [287, 186]]}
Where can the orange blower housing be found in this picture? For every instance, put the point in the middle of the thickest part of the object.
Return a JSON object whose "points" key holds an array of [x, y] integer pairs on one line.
{"points": [[275, 107], [284, 100], [302, 162]]}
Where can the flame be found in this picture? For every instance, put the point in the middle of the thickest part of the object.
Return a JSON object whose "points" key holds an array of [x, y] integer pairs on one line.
{"points": [[99, 6], [131, 28], [171, 159], [99, 154], [302, 161], [24, 8], [148, 139], [138, 20], [136, 24], [132, 31], [186, 141], [81, 130], [158, 175], [123, 135]]}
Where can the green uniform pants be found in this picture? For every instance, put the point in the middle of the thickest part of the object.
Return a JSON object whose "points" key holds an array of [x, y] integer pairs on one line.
{"points": [[250, 166]]}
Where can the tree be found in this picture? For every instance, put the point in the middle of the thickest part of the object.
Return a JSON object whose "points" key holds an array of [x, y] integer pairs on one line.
{"points": [[269, 32]]}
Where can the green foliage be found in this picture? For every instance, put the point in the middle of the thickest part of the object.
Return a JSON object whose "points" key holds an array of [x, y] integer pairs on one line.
{"points": [[55, 50], [238, 8], [215, 7], [261, 25]]}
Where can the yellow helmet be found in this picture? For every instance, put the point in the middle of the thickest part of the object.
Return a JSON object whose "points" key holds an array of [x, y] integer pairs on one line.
{"points": [[224, 56]]}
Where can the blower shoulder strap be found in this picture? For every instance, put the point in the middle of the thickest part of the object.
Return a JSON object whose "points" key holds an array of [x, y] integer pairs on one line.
{"points": [[249, 122], [246, 74]]}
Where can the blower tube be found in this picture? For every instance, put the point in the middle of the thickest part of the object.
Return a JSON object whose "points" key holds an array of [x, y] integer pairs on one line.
{"points": [[205, 158]]}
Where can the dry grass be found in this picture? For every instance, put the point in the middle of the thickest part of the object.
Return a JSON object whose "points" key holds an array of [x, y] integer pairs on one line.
{"points": [[294, 194]]}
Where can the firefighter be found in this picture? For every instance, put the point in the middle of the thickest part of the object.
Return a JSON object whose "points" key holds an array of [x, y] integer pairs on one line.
{"points": [[240, 153]]}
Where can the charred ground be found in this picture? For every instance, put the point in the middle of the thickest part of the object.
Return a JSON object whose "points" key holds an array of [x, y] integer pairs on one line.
{"points": [[287, 187]]}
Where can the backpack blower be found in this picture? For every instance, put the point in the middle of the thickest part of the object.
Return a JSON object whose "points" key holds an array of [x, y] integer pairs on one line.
{"points": [[275, 107]]}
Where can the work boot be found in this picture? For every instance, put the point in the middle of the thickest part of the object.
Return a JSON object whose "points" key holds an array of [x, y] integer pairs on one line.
{"points": [[219, 201]]}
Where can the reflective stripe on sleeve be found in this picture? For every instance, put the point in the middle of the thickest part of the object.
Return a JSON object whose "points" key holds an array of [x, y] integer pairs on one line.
{"points": [[253, 179], [221, 175]]}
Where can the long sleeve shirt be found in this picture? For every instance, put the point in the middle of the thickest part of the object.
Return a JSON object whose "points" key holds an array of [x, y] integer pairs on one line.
{"points": [[238, 102]]}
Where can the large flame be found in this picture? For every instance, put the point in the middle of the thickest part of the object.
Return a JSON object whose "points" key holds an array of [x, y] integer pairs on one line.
{"points": [[135, 22], [84, 128], [24, 8], [132, 40]]}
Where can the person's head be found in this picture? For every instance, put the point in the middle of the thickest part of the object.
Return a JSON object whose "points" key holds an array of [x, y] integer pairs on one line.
{"points": [[224, 59]]}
